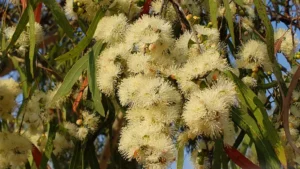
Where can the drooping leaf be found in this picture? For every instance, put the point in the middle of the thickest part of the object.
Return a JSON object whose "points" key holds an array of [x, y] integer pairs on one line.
{"points": [[146, 7], [71, 77], [38, 12], [239, 2], [55, 161], [213, 11], [262, 13], [251, 102], [49, 146], [180, 157], [228, 16], [85, 41], [19, 29], [59, 16], [96, 94], [23, 78], [265, 152], [75, 161], [239, 159], [31, 37], [91, 156], [37, 155], [217, 158]]}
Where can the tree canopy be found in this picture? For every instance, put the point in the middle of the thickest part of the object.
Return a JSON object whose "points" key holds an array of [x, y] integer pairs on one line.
{"points": [[138, 83]]}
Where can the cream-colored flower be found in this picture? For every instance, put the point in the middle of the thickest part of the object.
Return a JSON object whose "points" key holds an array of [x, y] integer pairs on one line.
{"points": [[14, 148], [286, 46], [9, 91], [254, 54], [111, 29], [249, 81]]}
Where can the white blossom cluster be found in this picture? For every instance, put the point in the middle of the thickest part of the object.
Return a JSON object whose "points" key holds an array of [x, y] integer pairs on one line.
{"points": [[88, 124], [14, 150], [22, 43], [140, 66], [9, 91], [87, 9]]}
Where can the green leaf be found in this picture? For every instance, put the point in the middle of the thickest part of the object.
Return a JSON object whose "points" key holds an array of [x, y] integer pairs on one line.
{"points": [[23, 77], [213, 9], [59, 16], [262, 13], [19, 29], [49, 145], [249, 100], [31, 37], [75, 162], [85, 41], [228, 16], [71, 77], [239, 2], [91, 156], [248, 124], [180, 157], [55, 161], [96, 94], [217, 154]]}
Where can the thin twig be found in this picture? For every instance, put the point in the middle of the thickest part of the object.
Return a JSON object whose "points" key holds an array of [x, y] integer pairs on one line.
{"points": [[80, 94], [286, 107], [112, 141], [185, 22]]}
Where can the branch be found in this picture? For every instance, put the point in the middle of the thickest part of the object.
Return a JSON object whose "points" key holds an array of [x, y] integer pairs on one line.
{"points": [[111, 142], [79, 96], [286, 107]]}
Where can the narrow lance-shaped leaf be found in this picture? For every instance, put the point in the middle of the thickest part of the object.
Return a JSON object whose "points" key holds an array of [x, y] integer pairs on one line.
{"points": [[49, 145], [37, 156], [228, 16], [266, 156], [96, 95], [59, 16], [38, 12], [23, 78], [75, 162], [92, 156], [267, 129], [213, 9], [180, 157], [239, 159], [31, 38], [85, 41], [71, 77], [217, 154], [262, 13], [239, 2], [19, 29]]}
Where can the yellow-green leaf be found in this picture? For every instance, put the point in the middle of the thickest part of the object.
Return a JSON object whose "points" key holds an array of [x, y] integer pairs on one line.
{"points": [[213, 12], [96, 95], [71, 77], [85, 41], [49, 145], [180, 157], [228, 16], [31, 37], [59, 16], [251, 102]]}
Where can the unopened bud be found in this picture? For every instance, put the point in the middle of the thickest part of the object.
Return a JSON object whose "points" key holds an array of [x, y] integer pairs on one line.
{"points": [[79, 122], [152, 46], [189, 16]]}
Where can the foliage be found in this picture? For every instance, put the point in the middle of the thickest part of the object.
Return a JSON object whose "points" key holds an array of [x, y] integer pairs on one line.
{"points": [[137, 84]]}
